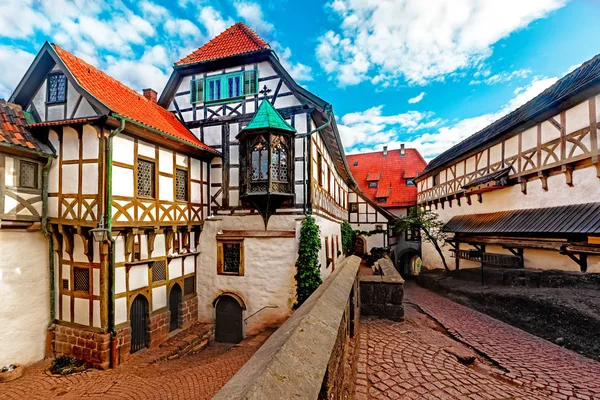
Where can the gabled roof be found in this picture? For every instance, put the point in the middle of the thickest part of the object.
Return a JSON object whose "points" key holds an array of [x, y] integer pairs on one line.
{"points": [[126, 102], [391, 169], [373, 176], [13, 131], [267, 117], [236, 40], [571, 84]]}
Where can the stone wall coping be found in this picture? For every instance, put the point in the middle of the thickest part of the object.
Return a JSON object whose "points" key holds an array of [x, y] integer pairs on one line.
{"points": [[293, 361], [390, 274]]}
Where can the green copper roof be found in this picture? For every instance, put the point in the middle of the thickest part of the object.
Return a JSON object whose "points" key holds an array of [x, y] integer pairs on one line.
{"points": [[267, 117]]}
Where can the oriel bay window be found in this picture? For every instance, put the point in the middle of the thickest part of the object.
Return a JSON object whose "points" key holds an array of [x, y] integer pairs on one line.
{"points": [[224, 87], [266, 155]]}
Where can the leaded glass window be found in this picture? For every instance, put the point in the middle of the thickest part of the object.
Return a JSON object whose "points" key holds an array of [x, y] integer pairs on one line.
{"points": [[279, 160], [231, 257], [260, 160], [28, 175], [189, 285], [81, 279], [57, 88], [181, 185], [159, 271], [234, 86], [145, 178]]}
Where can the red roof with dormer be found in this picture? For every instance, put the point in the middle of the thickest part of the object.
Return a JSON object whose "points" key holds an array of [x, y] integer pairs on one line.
{"points": [[392, 171], [236, 40], [126, 102], [14, 132]]}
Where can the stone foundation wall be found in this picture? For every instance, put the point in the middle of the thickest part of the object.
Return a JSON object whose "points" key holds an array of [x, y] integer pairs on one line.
{"points": [[91, 347], [189, 312], [159, 328], [123, 345], [381, 295]]}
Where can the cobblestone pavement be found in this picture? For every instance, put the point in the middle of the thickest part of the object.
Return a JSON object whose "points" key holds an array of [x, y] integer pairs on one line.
{"points": [[194, 376], [425, 358]]}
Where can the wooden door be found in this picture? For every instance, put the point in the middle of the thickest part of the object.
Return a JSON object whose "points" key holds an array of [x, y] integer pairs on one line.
{"points": [[229, 320], [175, 307], [138, 319], [359, 246]]}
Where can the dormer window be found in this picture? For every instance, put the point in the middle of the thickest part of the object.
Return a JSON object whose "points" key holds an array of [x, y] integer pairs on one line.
{"points": [[56, 88], [225, 87], [410, 182], [373, 184]]}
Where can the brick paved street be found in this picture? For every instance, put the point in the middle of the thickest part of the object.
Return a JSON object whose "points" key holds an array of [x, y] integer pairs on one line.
{"points": [[194, 376], [419, 358]]}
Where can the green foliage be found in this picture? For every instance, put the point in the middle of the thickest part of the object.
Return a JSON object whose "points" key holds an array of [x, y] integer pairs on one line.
{"points": [[348, 236], [308, 274], [369, 233]]}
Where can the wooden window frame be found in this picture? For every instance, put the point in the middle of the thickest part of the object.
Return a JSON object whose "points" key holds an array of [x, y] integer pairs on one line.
{"points": [[154, 180], [221, 257], [63, 101], [224, 87], [354, 207], [36, 174], [435, 179], [187, 185], [89, 282]]}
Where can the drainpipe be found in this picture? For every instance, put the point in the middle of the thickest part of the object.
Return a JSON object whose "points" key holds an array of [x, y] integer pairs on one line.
{"points": [[320, 128], [111, 247], [48, 236]]}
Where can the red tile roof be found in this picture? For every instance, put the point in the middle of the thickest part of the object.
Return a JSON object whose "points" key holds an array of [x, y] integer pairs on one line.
{"points": [[124, 101], [236, 40], [13, 131], [394, 170]]}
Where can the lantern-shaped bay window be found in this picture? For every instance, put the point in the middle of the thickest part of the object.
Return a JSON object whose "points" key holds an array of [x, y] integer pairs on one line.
{"points": [[266, 158]]}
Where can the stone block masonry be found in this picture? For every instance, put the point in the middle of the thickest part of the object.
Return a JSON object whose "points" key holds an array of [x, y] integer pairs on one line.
{"points": [[91, 347], [381, 295], [189, 312]]}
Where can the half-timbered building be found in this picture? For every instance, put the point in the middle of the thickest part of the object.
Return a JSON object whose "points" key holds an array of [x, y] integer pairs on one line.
{"points": [[24, 283], [387, 190], [281, 159], [523, 192]]}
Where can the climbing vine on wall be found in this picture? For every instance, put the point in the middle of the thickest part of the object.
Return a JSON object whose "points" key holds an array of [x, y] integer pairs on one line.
{"points": [[308, 269], [369, 233], [347, 238]]}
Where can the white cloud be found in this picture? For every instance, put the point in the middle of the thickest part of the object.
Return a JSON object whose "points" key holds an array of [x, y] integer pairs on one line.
{"points": [[183, 28], [383, 41], [300, 72], [369, 130], [253, 15], [417, 98], [19, 61], [19, 19], [213, 21], [502, 77]]}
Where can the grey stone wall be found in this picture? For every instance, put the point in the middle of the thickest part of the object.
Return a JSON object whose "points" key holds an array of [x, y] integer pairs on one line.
{"points": [[381, 295]]}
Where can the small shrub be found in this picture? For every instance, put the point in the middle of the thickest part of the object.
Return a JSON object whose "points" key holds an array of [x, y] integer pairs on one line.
{"points": [[308, 275]]}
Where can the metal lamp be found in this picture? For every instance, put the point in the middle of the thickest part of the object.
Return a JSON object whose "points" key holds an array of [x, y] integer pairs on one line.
{"points": [[100, 233]]}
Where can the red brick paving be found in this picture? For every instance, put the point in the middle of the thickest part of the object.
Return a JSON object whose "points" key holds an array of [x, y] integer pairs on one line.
{"points": [[193, 376], [414, 360]]}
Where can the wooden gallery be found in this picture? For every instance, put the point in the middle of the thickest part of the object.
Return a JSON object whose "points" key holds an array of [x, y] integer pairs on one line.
{"points": [[524, 192], [126, 216]]}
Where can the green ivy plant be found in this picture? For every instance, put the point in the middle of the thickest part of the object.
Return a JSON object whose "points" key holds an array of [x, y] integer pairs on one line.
{"points": [[308, 269], [348, 235]]}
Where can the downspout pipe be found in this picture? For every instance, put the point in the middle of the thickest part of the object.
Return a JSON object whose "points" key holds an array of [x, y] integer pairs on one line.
{"points": [[320, 128], [48, 235], [111, 247]]}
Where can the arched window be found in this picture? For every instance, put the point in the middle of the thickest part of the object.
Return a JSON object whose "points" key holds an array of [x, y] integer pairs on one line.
{"points": [[279, 160], [260, 160]]}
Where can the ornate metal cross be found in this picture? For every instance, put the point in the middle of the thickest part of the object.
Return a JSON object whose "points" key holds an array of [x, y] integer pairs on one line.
{"points": [[265, 91]]}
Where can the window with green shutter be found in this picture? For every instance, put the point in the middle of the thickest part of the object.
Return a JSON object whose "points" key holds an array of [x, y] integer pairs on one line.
{"points": [[225, 87], [250, 82], [197, 91]]}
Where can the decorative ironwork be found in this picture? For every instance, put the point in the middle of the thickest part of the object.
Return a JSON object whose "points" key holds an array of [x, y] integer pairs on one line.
{"points": [[189, 285], [265, 91], [231, 257], [181, 185], [81, 279], [159, 271], [145, 182], [28, 175]]}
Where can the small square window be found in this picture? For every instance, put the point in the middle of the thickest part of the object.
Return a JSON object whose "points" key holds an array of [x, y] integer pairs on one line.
{"points": [[28, 175], [353, 207], [181, 185], [159, 271], [230, 257], [410, 182], [56, 91], [382, 200], [146, 178], [373, 184], [81, 279], [189, 285]]}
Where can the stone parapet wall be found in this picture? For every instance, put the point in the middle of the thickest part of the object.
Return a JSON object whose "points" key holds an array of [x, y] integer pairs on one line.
{"points": [[381, 295], [91, 347], [307, 357]]}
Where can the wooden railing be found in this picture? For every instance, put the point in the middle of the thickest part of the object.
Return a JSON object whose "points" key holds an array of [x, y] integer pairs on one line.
{"points": [[499, 260]]}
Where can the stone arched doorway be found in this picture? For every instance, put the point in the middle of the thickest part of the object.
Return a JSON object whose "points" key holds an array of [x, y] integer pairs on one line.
{"points": [[175, 307], [228, 316], [138, 318], [407, 263], [360, 246]]}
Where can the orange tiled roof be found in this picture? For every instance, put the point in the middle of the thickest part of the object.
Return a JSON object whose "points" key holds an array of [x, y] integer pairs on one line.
{"points": [[392, 170], [127, 102], [13, 130], [236, 40]]}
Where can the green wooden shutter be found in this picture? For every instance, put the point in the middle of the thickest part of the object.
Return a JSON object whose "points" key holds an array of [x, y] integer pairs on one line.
{"points": [[196, 91], [250, 82]]}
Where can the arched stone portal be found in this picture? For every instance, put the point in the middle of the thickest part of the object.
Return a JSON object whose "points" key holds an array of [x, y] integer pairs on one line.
{"points": [[360, 246], [229, 324], [406, 258]]}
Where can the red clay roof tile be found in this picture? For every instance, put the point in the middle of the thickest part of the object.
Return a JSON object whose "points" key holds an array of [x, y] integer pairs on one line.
{"points": [[393, 170], [236, 40], [127, 102], [13, 130]]}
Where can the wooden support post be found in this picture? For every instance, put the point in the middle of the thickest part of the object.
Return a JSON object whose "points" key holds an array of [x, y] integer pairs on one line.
{"points": [[596, 162], [458, 196], [479, 197], [581, 261], [456, 258], [567, 169], [523, 182], [543, 175], [468, 199]]}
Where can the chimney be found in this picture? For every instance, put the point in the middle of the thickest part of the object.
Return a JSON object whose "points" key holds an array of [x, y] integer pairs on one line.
{"points": [[402, 150], [151, 95], [385, 151]]}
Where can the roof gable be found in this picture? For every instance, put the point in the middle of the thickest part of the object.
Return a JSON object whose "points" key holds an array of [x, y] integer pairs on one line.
{"points": [[267, 117], [237, 40]]}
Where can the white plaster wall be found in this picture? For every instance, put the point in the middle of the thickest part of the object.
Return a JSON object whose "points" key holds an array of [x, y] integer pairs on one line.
{"points": [[376, 240], [25, 294], [269, 269], [159, 297], [138, 276], [586, 188], [328, 229]]}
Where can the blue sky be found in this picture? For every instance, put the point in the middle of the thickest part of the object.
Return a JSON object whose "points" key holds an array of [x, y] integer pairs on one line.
{"points": [[424, 73]]}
